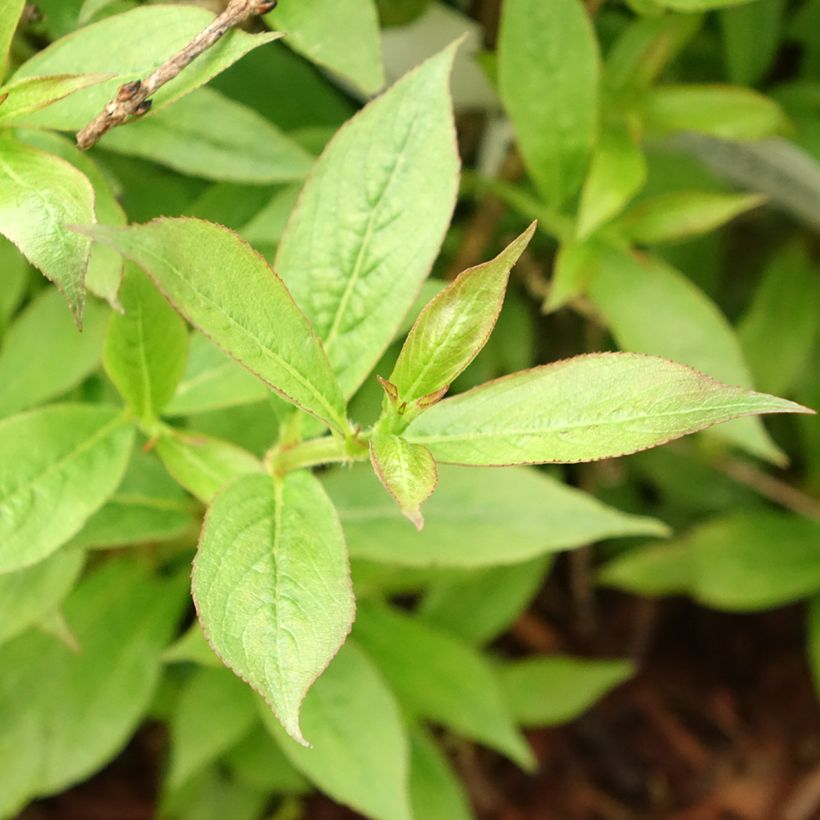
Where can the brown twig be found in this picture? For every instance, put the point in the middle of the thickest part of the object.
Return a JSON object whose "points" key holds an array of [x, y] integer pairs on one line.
{"points": [[134, 99]]}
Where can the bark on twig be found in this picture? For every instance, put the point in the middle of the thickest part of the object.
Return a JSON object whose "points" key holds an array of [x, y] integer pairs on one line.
{"points": [[134, 99]]}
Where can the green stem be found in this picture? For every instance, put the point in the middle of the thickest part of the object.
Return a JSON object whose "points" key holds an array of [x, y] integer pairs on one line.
{"points": [[317, 451]]}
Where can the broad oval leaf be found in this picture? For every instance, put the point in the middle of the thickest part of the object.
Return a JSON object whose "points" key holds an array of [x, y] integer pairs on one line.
{"points": [[476, 518], [360, 747], [406, 471], [441, 679], [601, 405], [146, 346], [342, 35], [36, 366], [223, 287], [61, 463], [40, 196], [371, 218], [272, 587], [130, 46], [455, 325], [208, 135], [548, 69]]}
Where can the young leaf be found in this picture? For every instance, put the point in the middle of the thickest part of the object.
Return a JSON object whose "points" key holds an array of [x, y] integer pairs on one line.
{"points": [[575, 265], [40, 195], [616, 173], [728, 112], [27, 596], [223, 287], [208, 135], [652, 308], [406, 471], [145, 347], [656, 570], [10, 11], [212, 381], [204, 465], [36, 366], [591, 407], [438, 678], [129, 46], [272, 588], [548, 69], [214, 711], [342, 35], [476, 518], [360, 748], [66, 713], [25, 96], [390, 174], [679, 215], [545, 691], [454, 326], [435, 790], [751, 38], [48, 491]]}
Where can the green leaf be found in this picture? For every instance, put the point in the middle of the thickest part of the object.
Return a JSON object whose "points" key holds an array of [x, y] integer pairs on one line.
{"points": [[202, 464], [360, 747], [213, 795], [214, 711], [23, 97], [591, 407], [66, 713], [778, 330], [342, 35], [548, 67], [656, 570], [105, 264], [10, 11], [15, 281], [652, 308], [145, 348], [48, 491], [679, 215], [616, 173], [391, 173], [267, 226], [479, 605], [29, 595], [575, 265], [272, 587], [43, 353], [441, 679], [689, 6], [476, 518], [435, 790], [454, 326], [259, 762], [146, 507], [191, 647], [130, 46], [546, 691], [40, 196], [230, 293], [729, 112], [406, 471], [212, 381], [751, 37], [208, 135]]}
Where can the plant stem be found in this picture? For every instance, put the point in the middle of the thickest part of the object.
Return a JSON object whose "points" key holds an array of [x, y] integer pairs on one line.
{"points": [[133, 99], [317, 451]]}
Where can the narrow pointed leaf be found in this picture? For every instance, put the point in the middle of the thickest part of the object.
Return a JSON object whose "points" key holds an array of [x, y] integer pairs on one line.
{"points": [[223, 287], [25, 96], [145, 347], [272, 588], [391, 173], [10, 11], [476, 518], [129, 46], [40, 196], [441, 679], [47, 492], [202, 464], [435, 789], [575, 265], [406, 471], [359, 753], [455, 325], [583, 409], [548, 69]]}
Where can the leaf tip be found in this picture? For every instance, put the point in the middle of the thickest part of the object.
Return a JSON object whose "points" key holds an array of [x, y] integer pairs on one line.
{"points": [[414, 516]]}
